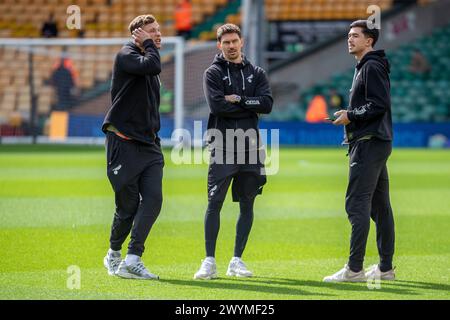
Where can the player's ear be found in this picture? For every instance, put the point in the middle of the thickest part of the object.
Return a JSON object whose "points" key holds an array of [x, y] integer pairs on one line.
{"points": [[242, 42], [219, 45]]}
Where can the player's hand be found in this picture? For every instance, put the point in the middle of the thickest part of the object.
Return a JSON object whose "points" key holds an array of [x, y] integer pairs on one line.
{"points": [[342, 118], [139, 36], [233, 98]]}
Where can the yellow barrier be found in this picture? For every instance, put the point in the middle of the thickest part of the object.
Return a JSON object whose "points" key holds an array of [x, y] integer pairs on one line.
{"points": [[59, 123]]}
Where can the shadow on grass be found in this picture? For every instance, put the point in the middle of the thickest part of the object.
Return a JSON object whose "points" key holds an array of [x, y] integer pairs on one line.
{"points": [[385, 286], [421, 285], [249, 285]]}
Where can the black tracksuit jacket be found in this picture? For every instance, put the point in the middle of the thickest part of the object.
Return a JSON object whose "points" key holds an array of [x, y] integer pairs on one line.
{"points": [[370, 105], [244, 79], [135, 86]]}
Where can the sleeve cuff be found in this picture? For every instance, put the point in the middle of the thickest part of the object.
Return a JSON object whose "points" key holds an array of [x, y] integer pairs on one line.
{"points": [[242, 102]]}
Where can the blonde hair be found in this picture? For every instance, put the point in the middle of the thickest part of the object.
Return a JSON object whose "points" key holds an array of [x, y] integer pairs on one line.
{"points": [[141, 21]]}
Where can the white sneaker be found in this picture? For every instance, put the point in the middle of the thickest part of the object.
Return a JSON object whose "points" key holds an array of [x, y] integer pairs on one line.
{"points": [[238, 268], [346, 275], [111, 262], [374, 272], [135, 270], [207, 270]]}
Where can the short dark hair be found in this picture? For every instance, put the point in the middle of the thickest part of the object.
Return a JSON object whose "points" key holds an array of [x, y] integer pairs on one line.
{"points": [[228, 28], [141, 21], [373, 33]]}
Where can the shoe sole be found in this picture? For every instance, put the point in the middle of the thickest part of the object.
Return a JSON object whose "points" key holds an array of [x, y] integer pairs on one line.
{"points": [[385, 278], [234, 274], [133, 276], [213, 276]]}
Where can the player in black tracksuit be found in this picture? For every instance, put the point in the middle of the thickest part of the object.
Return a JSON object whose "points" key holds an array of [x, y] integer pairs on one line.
{"points": [[236, 92], [134, 158], [368, 132]]}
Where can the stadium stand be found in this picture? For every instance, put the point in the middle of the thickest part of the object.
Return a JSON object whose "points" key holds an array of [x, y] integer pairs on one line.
{"points": [[415, 97], [294, 10], [100, 18], [320, 10], [110, 18]]}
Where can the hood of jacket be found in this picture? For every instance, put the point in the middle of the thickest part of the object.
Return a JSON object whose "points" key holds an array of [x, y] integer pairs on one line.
{"points": [[131, 44], [377, 55]]}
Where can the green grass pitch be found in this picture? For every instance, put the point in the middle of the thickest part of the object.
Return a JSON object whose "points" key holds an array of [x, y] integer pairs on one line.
{"points": [[56, 207]]}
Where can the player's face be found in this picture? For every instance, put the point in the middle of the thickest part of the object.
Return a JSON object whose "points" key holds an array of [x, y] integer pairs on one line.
{"points": [[357, 42], [231, 46], [155, 33]]}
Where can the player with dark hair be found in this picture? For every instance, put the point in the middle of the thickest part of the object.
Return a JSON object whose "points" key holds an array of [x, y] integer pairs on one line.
{"points": [[236, 92], [134, 158], [368, 132]]}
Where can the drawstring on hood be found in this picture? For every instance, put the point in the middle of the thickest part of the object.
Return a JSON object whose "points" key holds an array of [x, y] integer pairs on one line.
{"points": [[229, 78], [220, 60], [243, 80]]}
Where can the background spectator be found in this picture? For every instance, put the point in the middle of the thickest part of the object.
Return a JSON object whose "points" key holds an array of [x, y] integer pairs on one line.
{"points": [[63, 81], [183, 19], [419, 64], [49, 29], [336, 101]]}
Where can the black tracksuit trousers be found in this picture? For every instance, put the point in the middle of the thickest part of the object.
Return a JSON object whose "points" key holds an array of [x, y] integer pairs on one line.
{"points": [[248, 180], [368, 197], [135, 171]]}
